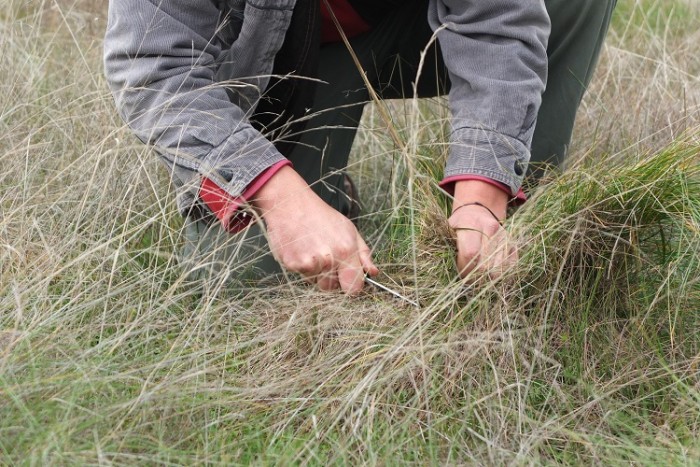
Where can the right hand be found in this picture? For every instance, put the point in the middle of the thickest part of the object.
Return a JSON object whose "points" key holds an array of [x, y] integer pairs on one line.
{"points": [[309, 237]]}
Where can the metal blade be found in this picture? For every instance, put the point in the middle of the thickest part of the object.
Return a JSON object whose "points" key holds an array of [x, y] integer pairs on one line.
{"points": [[392, 292]]}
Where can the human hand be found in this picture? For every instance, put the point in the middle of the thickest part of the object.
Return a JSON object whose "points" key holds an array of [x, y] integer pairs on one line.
{"points": [[309, 237], [482, 242]]}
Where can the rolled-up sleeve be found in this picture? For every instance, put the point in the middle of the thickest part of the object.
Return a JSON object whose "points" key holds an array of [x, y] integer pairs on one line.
{"points": [[496, 55], [160, 63]]}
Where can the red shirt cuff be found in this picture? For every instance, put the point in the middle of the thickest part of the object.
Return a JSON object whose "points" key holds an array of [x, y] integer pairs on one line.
{"points": [[230, 210], [448, 185]]}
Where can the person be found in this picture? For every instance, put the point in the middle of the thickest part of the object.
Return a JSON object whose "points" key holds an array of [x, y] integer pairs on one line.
{"points": [[254, 104]]}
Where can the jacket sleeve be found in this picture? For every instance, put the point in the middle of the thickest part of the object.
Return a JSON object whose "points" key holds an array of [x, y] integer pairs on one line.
{"points": [[496, 55], [160, 63]]}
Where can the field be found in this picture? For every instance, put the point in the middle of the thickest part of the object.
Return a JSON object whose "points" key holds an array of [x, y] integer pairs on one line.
{"points": [[588, 351]]}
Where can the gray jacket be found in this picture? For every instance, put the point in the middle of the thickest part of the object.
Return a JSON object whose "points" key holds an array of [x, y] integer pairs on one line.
{"points": [[161, 60]]}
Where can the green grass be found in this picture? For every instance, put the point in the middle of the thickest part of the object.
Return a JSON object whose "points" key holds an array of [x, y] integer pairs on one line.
{"points": [[657, 17], [585, 352]]}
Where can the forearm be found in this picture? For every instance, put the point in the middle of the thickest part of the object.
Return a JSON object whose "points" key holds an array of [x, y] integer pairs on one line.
{"points": [[495, 53]]}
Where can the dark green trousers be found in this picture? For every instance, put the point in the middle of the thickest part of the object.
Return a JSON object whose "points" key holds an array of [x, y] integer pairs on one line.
{"points": [[390, 54], [579, 28]]}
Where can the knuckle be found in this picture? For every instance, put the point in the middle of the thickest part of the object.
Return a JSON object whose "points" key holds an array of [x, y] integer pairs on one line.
{"points": [[326, 261], [470, 254], [286, 261], [344, 248], [493, 226], [302, 265], [291, 265], [307, 264]]}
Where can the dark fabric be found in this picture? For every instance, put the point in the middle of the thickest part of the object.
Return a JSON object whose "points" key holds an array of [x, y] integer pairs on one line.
{"points": [[390, 54], [350, 22], [291, 92], [322, 155], [374, 11], [578, 32]]}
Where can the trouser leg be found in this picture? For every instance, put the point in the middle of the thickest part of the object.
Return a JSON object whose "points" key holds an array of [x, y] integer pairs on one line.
{"points": [[579, 28], [323, 151]]}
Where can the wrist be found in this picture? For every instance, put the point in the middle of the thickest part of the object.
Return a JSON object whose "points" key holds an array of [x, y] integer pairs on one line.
{"points": [[284, 186], [477, 191]]}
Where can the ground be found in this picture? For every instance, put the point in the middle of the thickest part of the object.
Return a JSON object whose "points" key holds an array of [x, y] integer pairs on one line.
{"points": [[586, 352]]}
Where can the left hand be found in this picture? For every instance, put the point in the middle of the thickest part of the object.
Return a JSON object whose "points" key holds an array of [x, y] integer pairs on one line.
{"points": [[482, 242]]}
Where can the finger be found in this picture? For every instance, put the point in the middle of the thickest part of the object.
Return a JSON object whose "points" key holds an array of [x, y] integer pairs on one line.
{"points": [[469, 246], [496, 265], [365, 255], [351, 276], [328, 281], [313, 265], [513, 255], [504, 257], [327, 278], [468, 265], [506, 260]]}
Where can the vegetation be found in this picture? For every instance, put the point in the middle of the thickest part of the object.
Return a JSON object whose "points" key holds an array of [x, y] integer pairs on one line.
{"points": [[586, 352]]}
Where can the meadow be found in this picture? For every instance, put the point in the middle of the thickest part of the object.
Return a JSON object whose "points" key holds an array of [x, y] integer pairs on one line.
{"points": [[586, 352]]}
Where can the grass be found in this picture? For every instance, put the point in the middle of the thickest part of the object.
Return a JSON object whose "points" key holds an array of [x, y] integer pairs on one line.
{"points": [[586, 352]]}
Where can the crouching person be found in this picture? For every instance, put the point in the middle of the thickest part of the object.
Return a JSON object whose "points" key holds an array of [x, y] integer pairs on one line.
{"points": [[254, 105]]}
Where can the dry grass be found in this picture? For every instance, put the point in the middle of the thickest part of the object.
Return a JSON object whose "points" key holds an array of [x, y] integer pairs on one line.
{"points": [[586, 352], [646, 93]]}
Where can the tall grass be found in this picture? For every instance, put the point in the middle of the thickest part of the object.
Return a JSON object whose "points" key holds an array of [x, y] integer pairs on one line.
{"points": [[586, 351]]}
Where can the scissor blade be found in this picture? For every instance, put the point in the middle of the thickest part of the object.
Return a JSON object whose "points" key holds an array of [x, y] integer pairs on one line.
{"points": [[392, 292]]}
